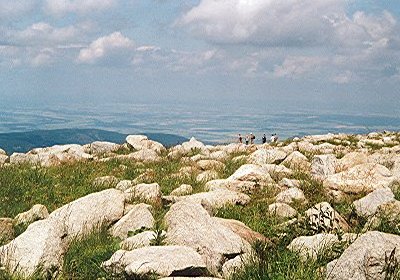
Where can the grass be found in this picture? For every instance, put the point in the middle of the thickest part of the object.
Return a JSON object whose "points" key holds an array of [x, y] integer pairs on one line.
{"points": [[85, 255]]}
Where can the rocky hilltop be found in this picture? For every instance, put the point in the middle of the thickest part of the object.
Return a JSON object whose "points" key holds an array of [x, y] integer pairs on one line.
{"points": [[317, 207]]}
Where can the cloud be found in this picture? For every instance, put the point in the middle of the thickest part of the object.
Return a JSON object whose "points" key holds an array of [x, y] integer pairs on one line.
{"points": [[298, 66], [266, 22], [114, 45], [44, 33], [62, 7]]}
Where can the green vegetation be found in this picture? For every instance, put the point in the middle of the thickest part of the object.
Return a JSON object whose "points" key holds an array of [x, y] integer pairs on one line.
{"points": [[85, 255]]}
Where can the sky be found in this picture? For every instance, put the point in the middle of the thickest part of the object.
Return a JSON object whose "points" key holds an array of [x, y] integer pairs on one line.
{"points": [[337, 54]]}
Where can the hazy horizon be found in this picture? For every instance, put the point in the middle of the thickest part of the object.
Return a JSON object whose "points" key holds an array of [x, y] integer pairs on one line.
{"points": [[260, 57]]}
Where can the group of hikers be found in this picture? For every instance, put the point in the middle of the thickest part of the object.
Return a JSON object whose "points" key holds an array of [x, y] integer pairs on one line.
{"points": [[249, 138]]}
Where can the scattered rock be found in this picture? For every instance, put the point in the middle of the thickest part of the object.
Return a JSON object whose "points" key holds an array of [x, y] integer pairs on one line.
{"points": [[297, 161], [360, 179], [37, 212], [141, 142], [242, 230], [289, 183], [234, 265], [368, 205], [145, 192], [264, 156], [124, 185], [323, 166], [282, 210], [206, 176], [138, 218], [217, 198], [366, 258], [182, 190], [189, 224], [207, 164], [253, 173], [233, 185], [143, 239], [290, 195], [352, 159], [313, 246], [159, 260], [323, 218], [101, 147]]}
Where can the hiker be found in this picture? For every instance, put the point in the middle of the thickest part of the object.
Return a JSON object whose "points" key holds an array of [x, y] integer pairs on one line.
{"points": [[264, 139], [247, 139], [274, 138], [252, 137], [240, 138]]}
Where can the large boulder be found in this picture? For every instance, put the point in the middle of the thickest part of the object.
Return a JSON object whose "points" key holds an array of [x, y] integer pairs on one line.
{"points": [[253, 173], [323, 166], [83, 215], [138, 218], [189, 224], [41, 246], [370, 256], [158, 260], [37, 212], [44, 242], [368, 205], [361, 178], [313, 246], [141, 142], [191, 146], [264, 156]]}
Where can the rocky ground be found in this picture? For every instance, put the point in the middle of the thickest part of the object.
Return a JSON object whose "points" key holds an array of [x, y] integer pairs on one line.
{"points": [[319, 207]]}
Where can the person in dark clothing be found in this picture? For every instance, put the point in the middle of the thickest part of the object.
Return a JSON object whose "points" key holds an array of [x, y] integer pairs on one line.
{"points": [[252, 138], [264, 139], [240, 138]]}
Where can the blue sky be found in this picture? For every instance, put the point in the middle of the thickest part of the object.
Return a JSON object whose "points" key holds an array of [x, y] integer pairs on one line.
{"points": [[310, 53]]}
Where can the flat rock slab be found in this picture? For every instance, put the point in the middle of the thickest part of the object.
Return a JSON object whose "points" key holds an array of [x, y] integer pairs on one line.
{"points": [[163, 261]]}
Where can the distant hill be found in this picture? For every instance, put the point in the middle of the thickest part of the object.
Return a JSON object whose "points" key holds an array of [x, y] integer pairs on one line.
{"points": [[25, 141]]}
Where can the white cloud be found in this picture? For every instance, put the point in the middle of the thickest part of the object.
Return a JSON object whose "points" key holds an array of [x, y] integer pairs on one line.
{"points": [[44, 57], [298, 66], [270, 22], [113, 45], [44, 33], [61, 7]]}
